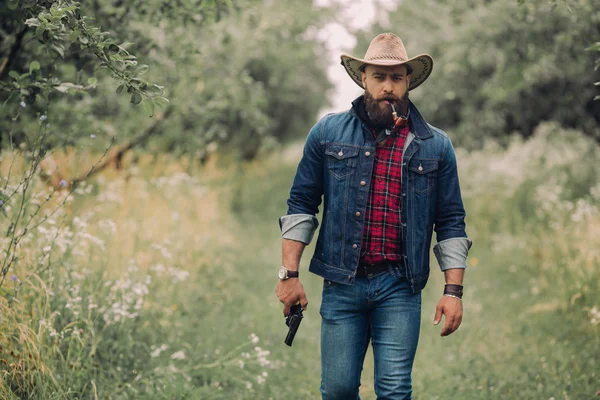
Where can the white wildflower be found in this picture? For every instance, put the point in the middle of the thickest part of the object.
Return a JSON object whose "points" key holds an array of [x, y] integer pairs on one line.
{"points": [[156, 352], [180, 355]]}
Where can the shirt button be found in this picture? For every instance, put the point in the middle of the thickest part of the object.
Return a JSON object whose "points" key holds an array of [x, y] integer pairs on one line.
{"points": [[363, 183], [368, 153], [358, 213], [355, 246]]}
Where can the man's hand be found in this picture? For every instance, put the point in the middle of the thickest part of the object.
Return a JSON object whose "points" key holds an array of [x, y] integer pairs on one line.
{"points": [[290, 292], [452, 309]]}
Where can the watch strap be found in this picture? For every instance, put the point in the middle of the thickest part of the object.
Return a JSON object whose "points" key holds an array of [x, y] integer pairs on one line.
{"points": [[293, 274]]}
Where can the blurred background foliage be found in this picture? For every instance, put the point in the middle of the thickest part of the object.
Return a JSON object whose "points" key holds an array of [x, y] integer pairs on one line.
{"points": [[139, 283], [502, 67], [247, 73], [251, 73]]}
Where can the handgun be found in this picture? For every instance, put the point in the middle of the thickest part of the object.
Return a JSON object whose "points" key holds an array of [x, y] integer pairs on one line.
{"points": [[293, 321]]}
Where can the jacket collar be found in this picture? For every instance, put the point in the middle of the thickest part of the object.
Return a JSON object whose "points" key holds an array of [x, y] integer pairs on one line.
{"points": [[418, 125]]}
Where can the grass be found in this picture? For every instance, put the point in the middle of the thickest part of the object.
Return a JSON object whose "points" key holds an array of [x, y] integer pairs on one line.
{"points": [[164, 289]]}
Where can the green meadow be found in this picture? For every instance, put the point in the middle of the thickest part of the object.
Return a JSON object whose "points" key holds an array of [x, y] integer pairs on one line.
{"points": [[147, 149], [157, 282]]}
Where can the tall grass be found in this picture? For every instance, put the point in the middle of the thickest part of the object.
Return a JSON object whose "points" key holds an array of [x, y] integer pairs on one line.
{"points": [[158, 282]]}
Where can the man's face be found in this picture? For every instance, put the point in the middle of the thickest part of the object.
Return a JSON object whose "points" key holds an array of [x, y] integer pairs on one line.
{"points": [[383, 85]]}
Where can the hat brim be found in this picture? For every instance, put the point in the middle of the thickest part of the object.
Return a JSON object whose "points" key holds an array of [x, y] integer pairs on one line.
{"points": [[421, 65]]}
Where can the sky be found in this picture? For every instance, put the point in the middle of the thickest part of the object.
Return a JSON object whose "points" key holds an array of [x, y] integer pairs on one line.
{"points": [[358, 14]]}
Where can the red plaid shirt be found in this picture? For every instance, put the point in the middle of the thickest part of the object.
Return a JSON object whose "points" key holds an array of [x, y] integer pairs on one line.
{"points": [[381, 232]]}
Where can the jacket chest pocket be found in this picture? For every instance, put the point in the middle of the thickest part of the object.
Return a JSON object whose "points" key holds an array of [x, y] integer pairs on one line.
{"points": [[422, 174], [341, 160]]}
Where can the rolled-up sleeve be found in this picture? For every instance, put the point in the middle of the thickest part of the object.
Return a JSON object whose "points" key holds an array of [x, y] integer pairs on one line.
{"points": [[452, 253], [298, 227]]}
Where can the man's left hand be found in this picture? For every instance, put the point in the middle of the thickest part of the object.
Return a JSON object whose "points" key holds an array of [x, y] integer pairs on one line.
{"points": [[452, 309]]}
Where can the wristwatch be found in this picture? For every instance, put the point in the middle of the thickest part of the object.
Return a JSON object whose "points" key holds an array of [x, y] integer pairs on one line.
{"points": [[285, 273]]}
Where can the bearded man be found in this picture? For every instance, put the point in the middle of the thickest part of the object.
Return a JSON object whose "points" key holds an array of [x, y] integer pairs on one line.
{"points": [[388, 180]]}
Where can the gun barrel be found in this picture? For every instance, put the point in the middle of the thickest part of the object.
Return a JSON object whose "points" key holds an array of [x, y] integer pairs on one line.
{"points": [[293, 322], [290, 337]]}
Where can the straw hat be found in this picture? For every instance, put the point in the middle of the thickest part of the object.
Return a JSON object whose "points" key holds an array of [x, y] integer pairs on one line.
{"points": [[387, 49]]}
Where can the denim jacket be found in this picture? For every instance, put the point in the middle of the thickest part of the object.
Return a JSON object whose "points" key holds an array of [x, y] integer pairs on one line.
{"points": [[337, 166]]}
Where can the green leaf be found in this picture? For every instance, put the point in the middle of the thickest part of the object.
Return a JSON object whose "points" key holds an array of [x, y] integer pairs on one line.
{"points": [[207, 3], [142, 69], [120, 89], [74, 35], [160, 102], [64, 87], [113, 49], [154, 89], [148, 106], [14, 74], [34, 66], [136, 98], [32, 22], [594, 47], [59, 49], [92, 80]]}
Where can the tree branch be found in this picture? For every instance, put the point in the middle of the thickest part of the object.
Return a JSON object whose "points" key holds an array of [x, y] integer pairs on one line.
{"points": [[116, 155], [11, 54]]}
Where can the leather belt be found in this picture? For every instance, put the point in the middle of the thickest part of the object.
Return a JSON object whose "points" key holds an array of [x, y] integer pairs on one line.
{"points": [[371, 269]]}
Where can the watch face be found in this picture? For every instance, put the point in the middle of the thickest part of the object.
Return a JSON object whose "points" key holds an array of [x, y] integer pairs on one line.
{"points": [[282, 273]]}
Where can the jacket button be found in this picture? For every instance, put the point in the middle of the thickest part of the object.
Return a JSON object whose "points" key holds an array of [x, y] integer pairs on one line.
{"points": [[363, 183], [368, 153], [358, 213], [354, 246]]}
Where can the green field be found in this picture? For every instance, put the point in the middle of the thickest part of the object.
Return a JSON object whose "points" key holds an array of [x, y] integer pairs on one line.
{"points": [[159, 284], [147, 149]]}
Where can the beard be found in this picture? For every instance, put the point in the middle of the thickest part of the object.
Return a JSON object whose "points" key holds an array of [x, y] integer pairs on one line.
{"points": [[380, 113]]}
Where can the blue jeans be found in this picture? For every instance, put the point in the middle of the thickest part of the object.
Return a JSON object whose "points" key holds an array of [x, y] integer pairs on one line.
{"points": [[380, 308]]}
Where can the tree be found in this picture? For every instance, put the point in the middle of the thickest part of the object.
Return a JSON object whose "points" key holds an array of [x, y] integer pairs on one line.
{"points": [[271, 86], [502, 66]]}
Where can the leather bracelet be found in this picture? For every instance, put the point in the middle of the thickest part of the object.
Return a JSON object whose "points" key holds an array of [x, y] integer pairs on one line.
{"points": [[456, 290], [451, 295]]}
